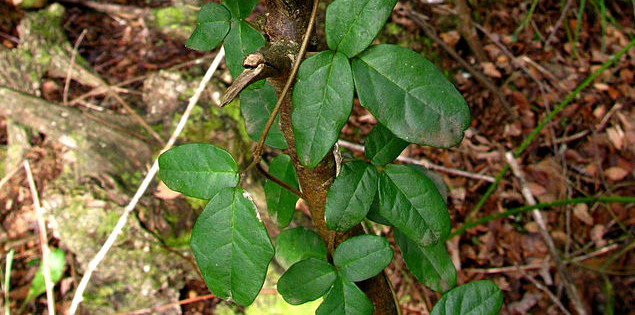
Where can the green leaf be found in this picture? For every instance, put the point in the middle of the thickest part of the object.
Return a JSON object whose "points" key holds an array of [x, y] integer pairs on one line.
{"points": [[212, 27], [431, 265], [383, 147], [281, 202], [345, 298], [256, 106], [410, 96], [240, 8], [231, 246], [198, 170], [373, 213], [322, 102], [306, 281], [436, 178], [363, 256], [479, 297], [350, 196], [298, 244], [411, 202], [241, 41], [351, 25], [56, 264]]}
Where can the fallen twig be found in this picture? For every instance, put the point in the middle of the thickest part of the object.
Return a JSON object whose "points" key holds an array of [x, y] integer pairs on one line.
{"points": [[572, 292], [423, 162], [39, 212], [92, 266], [542, 264], [545, 121], [552, 297], [460, 230], [565, 10], [67, 83], [185, 302]]}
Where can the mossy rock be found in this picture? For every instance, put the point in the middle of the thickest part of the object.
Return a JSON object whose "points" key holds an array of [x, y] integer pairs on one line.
{"points": [[136, 273]]}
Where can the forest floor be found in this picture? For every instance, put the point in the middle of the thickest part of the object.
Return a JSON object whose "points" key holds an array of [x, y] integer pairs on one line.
{"points": [[585, 151]]}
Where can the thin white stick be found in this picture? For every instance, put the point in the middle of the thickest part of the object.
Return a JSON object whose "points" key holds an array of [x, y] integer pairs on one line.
{"points": [[424, 163], [92, 266], [571, 290], [67, 84], [50, 299]]}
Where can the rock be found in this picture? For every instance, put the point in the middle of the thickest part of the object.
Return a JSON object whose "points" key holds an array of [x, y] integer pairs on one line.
{"points": [[136, 273], [161, 94]]}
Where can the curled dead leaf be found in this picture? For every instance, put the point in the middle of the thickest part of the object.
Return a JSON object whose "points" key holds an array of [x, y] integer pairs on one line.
{"points": [[581, 212], [489, 69], [163, 192], [615, 173], [616, 136]]}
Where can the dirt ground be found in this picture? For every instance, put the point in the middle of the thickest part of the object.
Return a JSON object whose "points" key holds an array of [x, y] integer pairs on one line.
{"points": [[586, 150]]}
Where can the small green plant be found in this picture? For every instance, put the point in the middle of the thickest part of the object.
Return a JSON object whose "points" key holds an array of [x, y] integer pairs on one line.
{"points": [[413, 103]]}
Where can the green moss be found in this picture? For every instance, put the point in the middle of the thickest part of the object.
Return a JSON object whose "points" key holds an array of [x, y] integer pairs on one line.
{"points": [[107, 224], [393, 29], [132, 179], [180, 241], [196, 203], [3, 158], [177, 21]]}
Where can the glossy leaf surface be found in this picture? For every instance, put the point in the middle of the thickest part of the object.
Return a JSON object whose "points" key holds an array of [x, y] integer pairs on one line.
{"points": [[242, 39], [256, 106], [213, 24], [361, 257], [436, 178], [350, 196], [198, 170], [373, 213], [351, 25], [281, 202], [240, 8], [231, 246], [410, 201], [306, 281], [345, 298], [431, 265], [410, 96], [322, 102], [475, 298], [294, 245], [382, 146]]}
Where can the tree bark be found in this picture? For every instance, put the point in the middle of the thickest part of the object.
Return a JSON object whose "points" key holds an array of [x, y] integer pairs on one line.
{"points": [[286, 24]]}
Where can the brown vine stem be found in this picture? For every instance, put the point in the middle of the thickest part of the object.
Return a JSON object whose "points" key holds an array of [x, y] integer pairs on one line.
{"points": [[296, 65], [279, 182]]}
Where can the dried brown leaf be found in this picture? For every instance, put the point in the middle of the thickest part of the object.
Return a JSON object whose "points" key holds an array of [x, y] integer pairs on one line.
{"points": [[615, 173], [581, 211], [616, 136], [489, 69], [163, 192]]}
